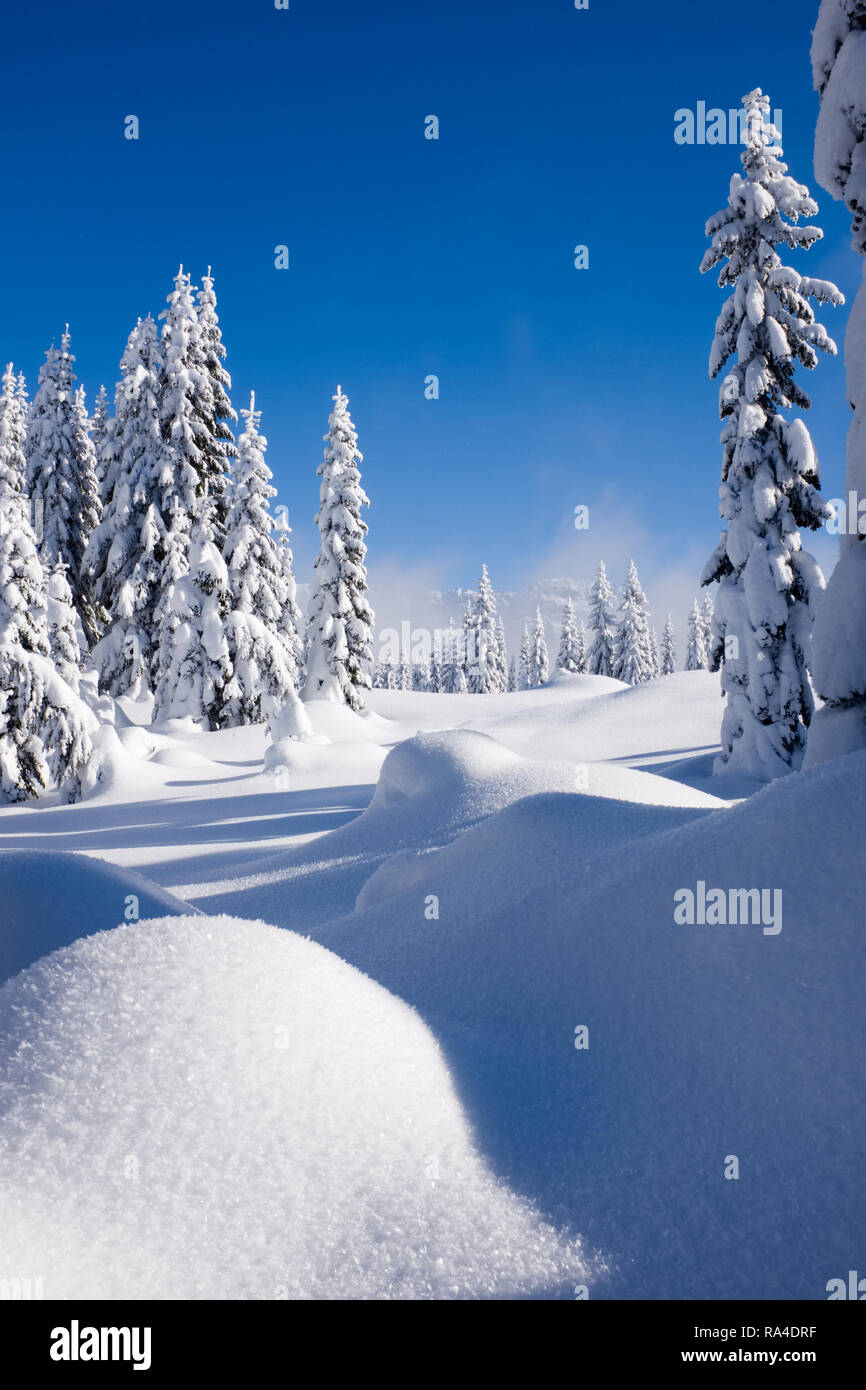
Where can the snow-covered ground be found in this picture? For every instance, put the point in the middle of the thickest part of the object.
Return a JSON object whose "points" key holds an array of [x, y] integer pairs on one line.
{"points": [[201, 1103]]}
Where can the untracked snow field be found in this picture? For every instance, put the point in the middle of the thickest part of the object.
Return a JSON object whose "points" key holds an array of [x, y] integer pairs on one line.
{"points": [[408, 1009]]}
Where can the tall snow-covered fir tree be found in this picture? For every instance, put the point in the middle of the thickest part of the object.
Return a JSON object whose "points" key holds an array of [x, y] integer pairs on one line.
{"points": [[633, 660], [435, 685], [219, 448], [291, 622], [769, 489], [711, 642], [63, 644], [340, 627], [186, 416], [696, 644], [264, 669], [61, 477], [453, 663], [44, 726], [482, 664], [512, 675], [12, 435], [501, 656], [101, 429], [125, 552], [839, 639], [668, 650], [539, 663], [572, 656], [524, 675], [195, 664], [602, 625]]}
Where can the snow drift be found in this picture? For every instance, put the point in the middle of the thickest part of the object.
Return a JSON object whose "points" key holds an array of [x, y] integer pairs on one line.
{"points": [[211, 1108]]}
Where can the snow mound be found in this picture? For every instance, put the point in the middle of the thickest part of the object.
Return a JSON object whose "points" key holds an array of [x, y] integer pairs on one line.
{"points": [[212, 1108], [431, 788], [50, 899], [705, 1041]]}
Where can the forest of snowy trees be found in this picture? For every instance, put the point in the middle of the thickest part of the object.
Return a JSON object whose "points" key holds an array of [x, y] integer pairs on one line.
{"points": [[141, 557]]}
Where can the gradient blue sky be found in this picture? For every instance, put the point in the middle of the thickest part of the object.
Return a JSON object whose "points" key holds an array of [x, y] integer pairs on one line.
{"points": [[409, 256]]}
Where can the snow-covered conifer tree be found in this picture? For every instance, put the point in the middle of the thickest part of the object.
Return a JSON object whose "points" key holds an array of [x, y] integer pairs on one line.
{"points": [[501, 654], [769, 471], [101, 427], [668, 653], [62, 637], [696, 646], [483, 671], [125, 552], [291, 622], [839, 640], [421, 675], [44, 726], [602, 625], [435, 685], [264, 672], [340, 619], [524, 676], [186, 416], [539, 664], [61, 476], [453, 663], [219, 448], [512, 675], [195, 664], [710, 639], [632, 654], [12, 434], [570, 656]]}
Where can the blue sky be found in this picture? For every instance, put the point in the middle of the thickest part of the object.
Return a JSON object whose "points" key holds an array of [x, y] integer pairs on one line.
{"points": [[408, 256]]}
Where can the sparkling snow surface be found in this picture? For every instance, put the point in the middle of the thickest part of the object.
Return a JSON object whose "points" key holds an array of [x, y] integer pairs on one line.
{"points": [[208, 1106]]}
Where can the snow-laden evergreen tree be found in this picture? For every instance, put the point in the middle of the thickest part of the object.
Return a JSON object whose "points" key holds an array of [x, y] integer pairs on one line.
{"points": [[524, 675], [580, 648], [602, 625], [421, 675], [291, 622], [44, 726], [404, 672], [195, 663], [340, 619], [708, 609], [101, 430], [483, 672], [61, 477], [512, 675], [501, 656], [186, 415], [696, 645], [435, 685], [219, 449], [570, 655], [769, 472], [655, 652], [839, 641], [125, 552], [63, 642], [668, 652], [12, 435], [632, 654], [453, 665], [539, 663], [264, 672], [388, 672]]}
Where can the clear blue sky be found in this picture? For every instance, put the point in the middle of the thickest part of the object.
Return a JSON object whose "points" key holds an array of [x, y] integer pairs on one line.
{"points": [[408, 256]]}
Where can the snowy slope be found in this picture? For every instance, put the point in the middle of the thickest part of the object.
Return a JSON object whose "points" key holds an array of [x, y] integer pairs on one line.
{"points": [[212, 1108], [705, 1042]]}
